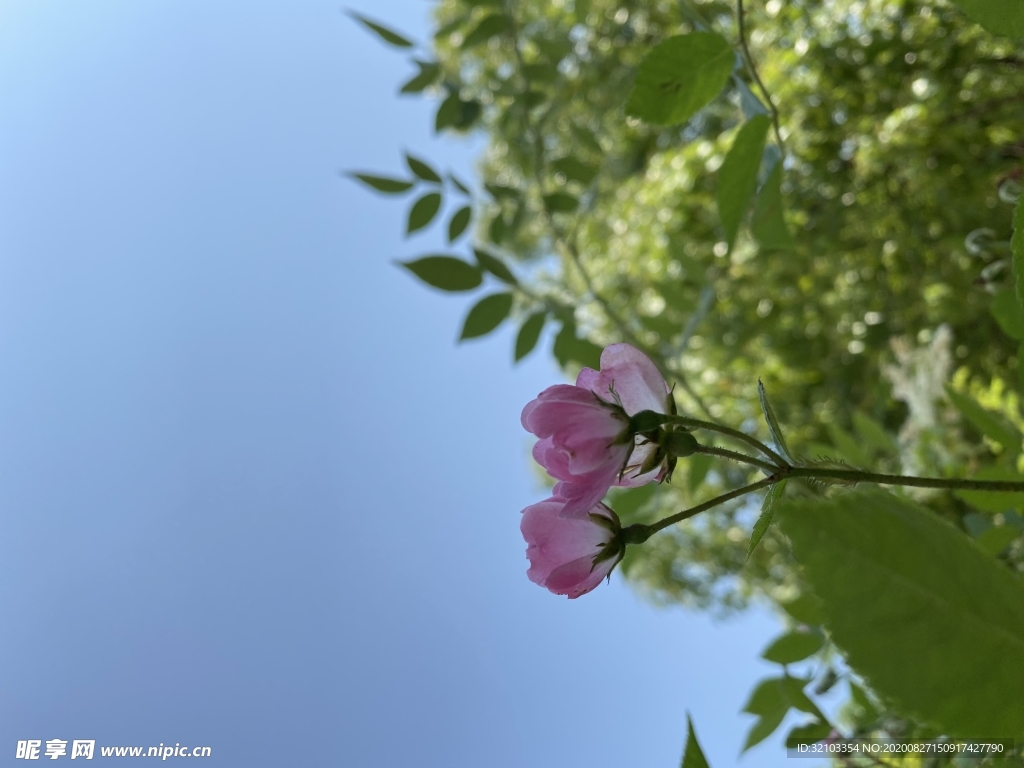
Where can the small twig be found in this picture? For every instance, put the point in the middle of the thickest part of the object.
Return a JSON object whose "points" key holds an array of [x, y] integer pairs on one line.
{"points": [[749, 60]]}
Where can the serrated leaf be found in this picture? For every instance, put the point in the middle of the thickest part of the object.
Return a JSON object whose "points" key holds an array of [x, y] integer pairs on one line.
{"points": [[385, 34], [1008, 314], [933, 622], [771, 500], [737, 178], [385, 184], [486, 315], [575, 169], [458, 223], [423, 212], [991, 424], [560, 202], [429, 74], [495, 266], [768, 224], [489, 26], [445, 272], [793, 647], [421, 169], [679, 77], [693, 755], [765, 726], [811, 733], [1001, 17], [773, 424], [529, 333], [994, 501]]}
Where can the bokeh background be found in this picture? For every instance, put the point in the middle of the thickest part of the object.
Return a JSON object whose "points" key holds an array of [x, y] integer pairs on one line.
{"points": [[253, 495]]}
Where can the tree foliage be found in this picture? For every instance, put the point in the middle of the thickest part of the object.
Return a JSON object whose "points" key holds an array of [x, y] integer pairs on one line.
{"points": [[846, 240]]}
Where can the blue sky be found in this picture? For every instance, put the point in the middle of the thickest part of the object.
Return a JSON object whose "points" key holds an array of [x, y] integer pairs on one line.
{"points": [[254, 494]]}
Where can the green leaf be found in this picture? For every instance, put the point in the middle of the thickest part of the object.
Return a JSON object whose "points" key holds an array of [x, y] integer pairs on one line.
{"points": [[997, 538], [560, 202], [422, 170], [385, 34], [990, 424], [1001, 17], [423, 211], [575, 169], [1017, 248], [384, 184], [873, 435], [994, 501], [1008, 314], [456, 113], [489, 26], [811, 733], [806, 609], [763, 728], [768, 224], [693, 755], [737, 177], [679, 77], [500, 192], [699, 465], [529, 333], [569, 348], [773, 424], [486, 315], [445, 272], [458, 184], [495, 266], [771, 500], [793, 647], [429, 73], [922, 612], [459, 222]]}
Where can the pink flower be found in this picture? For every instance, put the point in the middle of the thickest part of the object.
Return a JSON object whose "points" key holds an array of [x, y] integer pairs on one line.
{"points": [[570, 555], [584, 432]]}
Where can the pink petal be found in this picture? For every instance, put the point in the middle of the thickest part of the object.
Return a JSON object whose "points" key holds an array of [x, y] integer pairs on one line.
{"points": [[633, 376]]}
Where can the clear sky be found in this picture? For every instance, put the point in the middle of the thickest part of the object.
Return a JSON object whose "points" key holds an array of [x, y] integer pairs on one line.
{"points": [[252, 493]]}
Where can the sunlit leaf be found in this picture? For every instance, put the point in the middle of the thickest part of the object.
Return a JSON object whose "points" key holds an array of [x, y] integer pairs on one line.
{"points": [[993, 501], [679, 76], [993, 425], [773, 423], [1001, 17]]}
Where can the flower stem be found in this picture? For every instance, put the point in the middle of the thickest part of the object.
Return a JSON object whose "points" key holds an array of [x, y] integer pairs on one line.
{"points": [[946, 483], [710, 450], [638, 533], [686, 421]]}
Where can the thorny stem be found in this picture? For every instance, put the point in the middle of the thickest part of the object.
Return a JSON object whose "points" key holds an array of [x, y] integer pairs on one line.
{"points": [[709, 450], [749, 60], [735, 433]]}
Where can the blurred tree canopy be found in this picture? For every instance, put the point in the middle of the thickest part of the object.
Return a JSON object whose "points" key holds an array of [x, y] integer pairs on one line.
{"points": [[868, 285]]}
